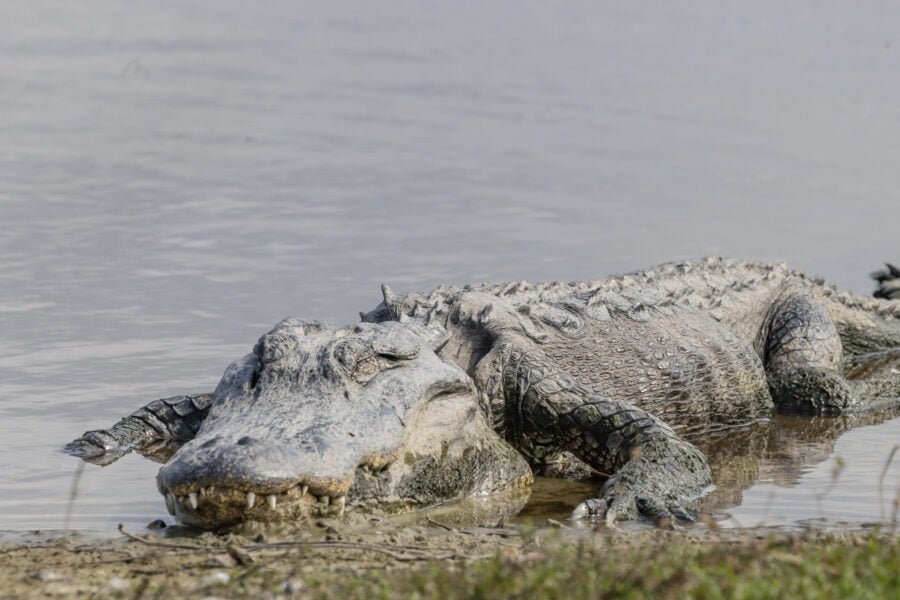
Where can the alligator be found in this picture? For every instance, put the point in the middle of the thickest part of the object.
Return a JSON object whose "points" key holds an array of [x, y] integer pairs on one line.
{"points": [[471, 391]]}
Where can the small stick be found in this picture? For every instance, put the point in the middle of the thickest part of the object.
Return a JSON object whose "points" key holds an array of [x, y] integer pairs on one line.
{"points": [[431, 521], [884, 471], [137, 538], [73, 493], [422, 554]]}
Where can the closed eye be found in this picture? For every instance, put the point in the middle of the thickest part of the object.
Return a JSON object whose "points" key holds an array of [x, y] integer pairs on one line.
{"points": [[449, 388], [367, 368]]}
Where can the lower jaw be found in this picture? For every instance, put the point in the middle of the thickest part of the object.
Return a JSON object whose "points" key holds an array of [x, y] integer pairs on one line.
{"points": [[226, 509], [213, 507]]}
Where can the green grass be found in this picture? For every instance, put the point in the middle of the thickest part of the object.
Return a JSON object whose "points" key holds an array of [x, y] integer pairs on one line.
{"points": [[865, 568], [538, 564]]}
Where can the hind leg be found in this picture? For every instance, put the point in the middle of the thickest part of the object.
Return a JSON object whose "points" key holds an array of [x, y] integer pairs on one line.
{"points": [[803, 357]]}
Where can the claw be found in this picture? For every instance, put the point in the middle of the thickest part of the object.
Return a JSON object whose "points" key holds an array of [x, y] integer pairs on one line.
{"points": [[663, 516], [581, 511], [622, 507], [608, 485], [682, 514], [654, 511], [591, 508]]}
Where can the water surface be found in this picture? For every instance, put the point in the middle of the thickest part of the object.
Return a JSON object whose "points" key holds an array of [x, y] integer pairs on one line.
{"points": [[175, 177]]}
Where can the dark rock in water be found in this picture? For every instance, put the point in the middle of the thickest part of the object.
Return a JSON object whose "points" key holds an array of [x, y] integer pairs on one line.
{"points": [[888, 282]]}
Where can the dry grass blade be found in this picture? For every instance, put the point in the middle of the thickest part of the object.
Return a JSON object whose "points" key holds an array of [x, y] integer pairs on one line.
{"points": [[73, 494], [884, 471]]}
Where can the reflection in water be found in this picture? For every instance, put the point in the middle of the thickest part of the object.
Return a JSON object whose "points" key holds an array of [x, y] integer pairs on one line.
{"points": [[778, 453]]}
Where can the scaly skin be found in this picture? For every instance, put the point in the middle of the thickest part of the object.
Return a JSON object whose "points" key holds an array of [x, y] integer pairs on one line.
{"points": [[612, 374], [700, 345], [153, 429]]}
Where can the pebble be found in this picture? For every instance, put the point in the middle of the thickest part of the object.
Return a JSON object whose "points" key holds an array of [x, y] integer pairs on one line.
{"points": [[117, 584], [216, 578], [293, 586]]}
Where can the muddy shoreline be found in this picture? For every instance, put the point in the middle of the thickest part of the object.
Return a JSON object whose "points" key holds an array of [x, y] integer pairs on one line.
{"points": [[323, 558]]}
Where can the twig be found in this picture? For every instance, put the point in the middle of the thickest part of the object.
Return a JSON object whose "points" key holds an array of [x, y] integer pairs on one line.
{"points": [[431, 521], [12, 549], [338, 545], [884, 471], [504, 533], [328, 544], [73, 493], [835, 475], [147, 542], [894, 512]]}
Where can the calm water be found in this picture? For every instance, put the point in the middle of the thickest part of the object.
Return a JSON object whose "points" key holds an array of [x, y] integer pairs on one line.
{"points": [[175, 177]]}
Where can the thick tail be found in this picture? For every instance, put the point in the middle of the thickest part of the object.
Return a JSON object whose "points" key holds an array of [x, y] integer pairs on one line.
{"points": [[888, 282], [870, 329]]}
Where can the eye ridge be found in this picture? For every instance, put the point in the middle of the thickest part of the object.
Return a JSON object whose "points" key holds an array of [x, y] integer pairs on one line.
{"points": [[368, 367], [365, 368], [395, 352], [392, 357]]}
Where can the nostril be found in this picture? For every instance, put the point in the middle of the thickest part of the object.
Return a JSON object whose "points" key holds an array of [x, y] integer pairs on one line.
{"points": [[244, 441], [209, 443]]}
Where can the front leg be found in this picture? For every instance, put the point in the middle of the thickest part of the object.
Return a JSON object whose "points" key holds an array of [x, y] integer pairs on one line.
{"points": [[162, 422], [652, 471]]}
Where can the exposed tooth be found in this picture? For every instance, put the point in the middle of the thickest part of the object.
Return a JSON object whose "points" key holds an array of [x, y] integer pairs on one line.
{"points": [[192, 500], [303, 490], [340, 502], [324, 500], [170, 503], [210, 490], [251, 499], [272, 500], [202, 491]]}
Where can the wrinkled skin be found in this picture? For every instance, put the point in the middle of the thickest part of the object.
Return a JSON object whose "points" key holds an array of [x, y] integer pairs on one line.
{"points": [[446, 396], [316, 420]]}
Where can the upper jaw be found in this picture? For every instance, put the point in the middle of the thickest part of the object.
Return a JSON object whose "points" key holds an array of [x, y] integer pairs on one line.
{"points": [[214, 506], [202, 488], [204, 503]]}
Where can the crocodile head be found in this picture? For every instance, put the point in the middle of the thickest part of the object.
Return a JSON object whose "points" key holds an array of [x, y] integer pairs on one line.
{"points": [[317, 421]]}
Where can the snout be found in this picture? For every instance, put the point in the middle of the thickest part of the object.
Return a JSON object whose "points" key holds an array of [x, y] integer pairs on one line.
{"points": [[308, 420], [219, 481]]}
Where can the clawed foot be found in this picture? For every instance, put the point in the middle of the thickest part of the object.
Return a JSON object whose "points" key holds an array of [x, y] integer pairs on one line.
{"points": [[655, 484], [100, 448], [96, 447], [613, 508], [91, 444]]}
